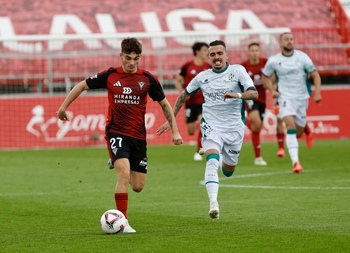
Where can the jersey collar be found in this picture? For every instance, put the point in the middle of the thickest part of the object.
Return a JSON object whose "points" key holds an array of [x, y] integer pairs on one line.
{"points": [[288, 55], [220, 71]]}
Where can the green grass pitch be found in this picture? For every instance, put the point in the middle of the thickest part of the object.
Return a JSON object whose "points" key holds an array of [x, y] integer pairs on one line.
{"points": [[52, 200]]}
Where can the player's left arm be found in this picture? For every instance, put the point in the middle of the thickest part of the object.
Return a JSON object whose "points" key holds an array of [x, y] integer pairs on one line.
{"points": [[250, 94], [317, 82]]}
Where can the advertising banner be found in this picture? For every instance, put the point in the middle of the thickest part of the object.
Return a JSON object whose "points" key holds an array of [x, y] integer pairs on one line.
{"points": [[31, 122]]}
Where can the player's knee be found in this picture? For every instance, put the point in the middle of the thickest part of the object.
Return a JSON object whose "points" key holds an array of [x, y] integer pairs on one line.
{"points": [[137, 188], [229, 167]]}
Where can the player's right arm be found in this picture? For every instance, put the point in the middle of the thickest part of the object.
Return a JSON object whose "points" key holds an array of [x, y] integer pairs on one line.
{"points": [[181, 99], [268, 86], [267, 78], [179, 83], [73, 94]]}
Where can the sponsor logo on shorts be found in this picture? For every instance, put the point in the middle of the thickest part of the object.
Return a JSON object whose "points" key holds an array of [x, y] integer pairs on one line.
{"points": [[236, 152], [143, 163]]}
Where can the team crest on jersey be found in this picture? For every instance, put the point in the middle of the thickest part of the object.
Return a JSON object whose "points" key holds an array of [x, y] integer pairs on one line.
{"points": [[141, 85], [231, 76]]}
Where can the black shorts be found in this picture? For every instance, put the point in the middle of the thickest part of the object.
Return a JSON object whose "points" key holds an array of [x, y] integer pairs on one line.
{"points": [[121, 146], [258, 106], [192, 112]]}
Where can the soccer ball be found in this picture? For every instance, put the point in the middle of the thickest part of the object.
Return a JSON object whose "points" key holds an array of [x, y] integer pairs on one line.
{"points": [[113, 221]]}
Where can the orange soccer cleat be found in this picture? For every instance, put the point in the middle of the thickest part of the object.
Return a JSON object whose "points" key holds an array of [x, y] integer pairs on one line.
{"points": [[297, 168], [309, 140], [281, 153], [276, 109]]}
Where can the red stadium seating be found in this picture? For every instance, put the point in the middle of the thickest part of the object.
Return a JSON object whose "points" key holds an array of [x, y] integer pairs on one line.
{"points": [[319, 27]]}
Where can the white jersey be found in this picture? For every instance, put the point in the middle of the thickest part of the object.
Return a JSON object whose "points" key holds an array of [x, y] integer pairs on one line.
{"points": [[219, 114], [291, 74]]}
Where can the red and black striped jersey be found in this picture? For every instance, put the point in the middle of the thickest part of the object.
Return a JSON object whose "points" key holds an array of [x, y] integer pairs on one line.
{"points": [[127, 99]]}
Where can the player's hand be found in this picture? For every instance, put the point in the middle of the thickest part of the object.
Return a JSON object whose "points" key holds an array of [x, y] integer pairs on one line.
{"points": [[62, 115], [177, 139], [317, 98], [163, 128], [230, 94], [275, 94]]}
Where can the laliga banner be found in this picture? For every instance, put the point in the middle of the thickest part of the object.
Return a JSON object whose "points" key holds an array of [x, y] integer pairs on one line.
{"points": [[31, 122]]}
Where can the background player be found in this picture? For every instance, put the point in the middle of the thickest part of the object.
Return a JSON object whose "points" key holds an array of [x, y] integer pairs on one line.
{"points": [[292, 68], [193, 107], [256, 108]]}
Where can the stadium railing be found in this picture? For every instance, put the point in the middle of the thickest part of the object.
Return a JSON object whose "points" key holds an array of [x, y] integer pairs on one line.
{"points": [[342, 21]]}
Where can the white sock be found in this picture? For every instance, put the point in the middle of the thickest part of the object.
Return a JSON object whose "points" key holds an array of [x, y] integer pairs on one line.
{"points": [[212, 179], [220, 162], [293, 147]]}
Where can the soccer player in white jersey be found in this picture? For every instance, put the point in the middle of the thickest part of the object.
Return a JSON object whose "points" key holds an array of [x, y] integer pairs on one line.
{"points": [[293, 69], [224, 87]]}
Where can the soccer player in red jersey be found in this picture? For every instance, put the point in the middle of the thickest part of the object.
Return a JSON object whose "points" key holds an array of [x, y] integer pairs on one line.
{"points": [[193, 110], [256, 108], [128, 87]]}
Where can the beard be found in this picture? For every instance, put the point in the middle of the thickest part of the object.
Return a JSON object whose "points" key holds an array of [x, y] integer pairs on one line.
{"points": [[288, 49]]}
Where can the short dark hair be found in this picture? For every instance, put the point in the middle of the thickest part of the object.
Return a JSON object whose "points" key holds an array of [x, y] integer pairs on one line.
{"points": [[197, 46], [284, 34], [130, 45], [217, 43], [253, 44]]}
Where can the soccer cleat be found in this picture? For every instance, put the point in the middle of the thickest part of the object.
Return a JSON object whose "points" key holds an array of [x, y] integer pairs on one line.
{"points": [[128, 228], [297, 168], [276, 109], [281, 153], [197, 157], [201, 151], [260, 161], [214, 210], [309, 140], [110, 164]]}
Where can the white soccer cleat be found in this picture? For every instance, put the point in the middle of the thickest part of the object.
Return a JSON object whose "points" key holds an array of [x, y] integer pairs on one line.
{"points": [[110, 164], [260, 161], [197, 157], [128, 228], [214, 210], [201, 151]]}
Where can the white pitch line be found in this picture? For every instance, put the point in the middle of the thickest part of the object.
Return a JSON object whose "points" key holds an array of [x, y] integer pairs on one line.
{"points": [[285, 187], [257, 175], [275, 187]]}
